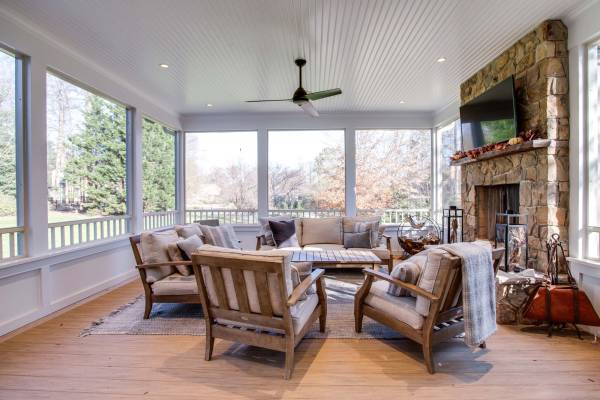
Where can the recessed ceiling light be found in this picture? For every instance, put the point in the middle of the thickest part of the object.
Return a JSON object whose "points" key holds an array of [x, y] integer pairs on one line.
{"points": [[402, 102], [209, 105], [441, 59], [165, 66]]}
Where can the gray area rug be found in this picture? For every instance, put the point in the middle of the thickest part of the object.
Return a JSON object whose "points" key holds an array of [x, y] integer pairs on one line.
{"points": [[187, 320]]}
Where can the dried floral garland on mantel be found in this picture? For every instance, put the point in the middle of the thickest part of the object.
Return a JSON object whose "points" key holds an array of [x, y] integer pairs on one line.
{"points": [[476, 152]]}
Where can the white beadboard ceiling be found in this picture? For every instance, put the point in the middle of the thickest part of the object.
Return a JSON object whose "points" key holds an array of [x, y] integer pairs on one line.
{"points": [[380, 52]]}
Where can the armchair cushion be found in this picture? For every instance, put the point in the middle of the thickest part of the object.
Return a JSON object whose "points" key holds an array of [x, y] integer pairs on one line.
{"points": [[321, 230], [154, 246], [221, 236], [401, 308], [175, 284]]}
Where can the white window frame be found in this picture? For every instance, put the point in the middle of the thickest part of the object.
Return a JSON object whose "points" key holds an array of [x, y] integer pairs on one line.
{"points": [[100, 226]]}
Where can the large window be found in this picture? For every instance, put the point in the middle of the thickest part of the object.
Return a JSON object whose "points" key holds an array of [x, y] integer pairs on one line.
{"points": [[11, 224], [221, 176], [158, 164], [306, 172], [393, 173], [449, 140], [593, 153], [87, 164]]}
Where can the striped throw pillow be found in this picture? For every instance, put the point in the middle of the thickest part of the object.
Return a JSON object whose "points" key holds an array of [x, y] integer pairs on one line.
{"points": [[407, 271], [221, 236]]}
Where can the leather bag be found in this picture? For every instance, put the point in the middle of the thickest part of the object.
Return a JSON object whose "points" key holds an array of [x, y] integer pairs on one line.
{"points": [[561, 304]]}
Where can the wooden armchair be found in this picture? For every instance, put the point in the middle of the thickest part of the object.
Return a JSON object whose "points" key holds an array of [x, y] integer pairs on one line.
{"points": [[247, 297], [183, 292], [444, 320]]}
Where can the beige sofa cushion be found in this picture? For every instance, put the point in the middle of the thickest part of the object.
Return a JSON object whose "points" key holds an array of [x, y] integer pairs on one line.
{"points": [[401, 308], [321, 230], [154, 246], [274, 289], [175, 284], [324, 246]]}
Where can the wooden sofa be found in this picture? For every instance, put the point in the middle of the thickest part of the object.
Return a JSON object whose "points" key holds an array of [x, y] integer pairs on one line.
{"points": [[309, 234], [445, 318]]}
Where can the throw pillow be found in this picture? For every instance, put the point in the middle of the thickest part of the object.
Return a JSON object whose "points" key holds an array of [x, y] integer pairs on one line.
{"points": [[154, 250], [185, 231], [284, 233], [407, 271], [265, 229], [322, 231], [361, 224], [221, 236], [358, 240], [190, 245], [176, 255], [305, 269], [428, 278]]}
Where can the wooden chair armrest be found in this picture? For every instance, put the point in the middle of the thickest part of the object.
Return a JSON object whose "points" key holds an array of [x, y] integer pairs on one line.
{"points": [[388, 242], [259, 240], [304, 285], [163, 264], [408, 286]]}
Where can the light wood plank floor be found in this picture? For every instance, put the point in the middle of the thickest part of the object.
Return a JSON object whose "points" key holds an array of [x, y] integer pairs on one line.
{"points": [[51, 361]]}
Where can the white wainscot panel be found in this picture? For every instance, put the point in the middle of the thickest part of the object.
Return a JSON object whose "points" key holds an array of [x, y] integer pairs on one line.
{"points": [[20, 296], [587, 275], [75, 280]]}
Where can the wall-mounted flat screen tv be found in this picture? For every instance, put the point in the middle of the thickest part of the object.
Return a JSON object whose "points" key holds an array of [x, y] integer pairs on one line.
{"points": [[490, 117]]}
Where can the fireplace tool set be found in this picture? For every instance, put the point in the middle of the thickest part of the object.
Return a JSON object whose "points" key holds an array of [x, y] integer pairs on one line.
{"points": [[560, 302]]}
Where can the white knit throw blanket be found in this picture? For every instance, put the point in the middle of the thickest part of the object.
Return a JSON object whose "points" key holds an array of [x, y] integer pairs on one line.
{"points": [[479, 289]]}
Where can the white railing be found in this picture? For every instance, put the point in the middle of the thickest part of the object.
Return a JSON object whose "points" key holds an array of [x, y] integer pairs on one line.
{"points": [[71, 233], [322, 213], [396, 215], [159, 219], [236, 217], [11, 243]]}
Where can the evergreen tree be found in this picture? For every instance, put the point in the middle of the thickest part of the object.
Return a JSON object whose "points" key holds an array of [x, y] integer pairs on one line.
{"points": [[159, 167], [98, 162]]}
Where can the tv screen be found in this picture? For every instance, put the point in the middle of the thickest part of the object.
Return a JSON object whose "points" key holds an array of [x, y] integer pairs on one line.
{"points": [[490, 117]]}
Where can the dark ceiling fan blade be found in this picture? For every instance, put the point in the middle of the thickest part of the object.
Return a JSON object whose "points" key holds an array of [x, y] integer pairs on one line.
{"points": [[323, 94], [263, 101], [309, 108]]}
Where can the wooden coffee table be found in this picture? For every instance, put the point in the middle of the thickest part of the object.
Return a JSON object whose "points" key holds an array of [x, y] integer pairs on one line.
{"points": [[337, 258]]}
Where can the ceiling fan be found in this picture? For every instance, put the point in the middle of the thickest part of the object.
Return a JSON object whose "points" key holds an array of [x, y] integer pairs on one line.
{"points": [[301, 97]]}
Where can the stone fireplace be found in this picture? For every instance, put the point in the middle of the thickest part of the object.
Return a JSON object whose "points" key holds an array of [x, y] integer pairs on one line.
{"points": [[530, 179]]}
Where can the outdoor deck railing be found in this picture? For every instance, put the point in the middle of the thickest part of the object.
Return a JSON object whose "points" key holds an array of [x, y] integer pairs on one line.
{"points": [[70, 233], [159, 219], [242, 217], [11, 243]]}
